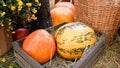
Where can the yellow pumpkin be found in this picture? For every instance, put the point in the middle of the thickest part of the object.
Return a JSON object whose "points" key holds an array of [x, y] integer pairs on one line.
{"points": [[72, 38]]}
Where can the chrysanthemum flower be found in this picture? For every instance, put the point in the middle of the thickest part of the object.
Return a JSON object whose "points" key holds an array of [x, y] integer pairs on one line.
{"points": [[37, 1], [34, 17], [34, 10], [13, 8], [29, 4], [20, 8], [3, 14], [20, 3]]}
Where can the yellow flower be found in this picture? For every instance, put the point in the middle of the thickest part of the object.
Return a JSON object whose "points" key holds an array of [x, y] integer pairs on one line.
{"points": [[20, 8], [2, 14], [39, 4], [4, 4], [9, 23], [9, 19], [13, 32], [34, 17], [2, 24], [37, 1], [20, 3], [29, 18], [34, 10], [13, 8], [29, 4], [18, 0], [3, 60], [10, 27], [10, 66]]}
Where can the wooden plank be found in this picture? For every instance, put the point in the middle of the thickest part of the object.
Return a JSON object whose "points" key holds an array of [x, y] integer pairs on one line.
{"points": [[94, 58], [25, 56], [22, 61], [91, 54]]}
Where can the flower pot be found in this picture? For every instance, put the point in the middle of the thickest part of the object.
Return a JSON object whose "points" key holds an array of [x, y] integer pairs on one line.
{"points": [[5, 40]]}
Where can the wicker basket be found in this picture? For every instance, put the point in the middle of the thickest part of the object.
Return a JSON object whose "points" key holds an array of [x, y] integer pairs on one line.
{"points": [[102, 18], [119, 24]]}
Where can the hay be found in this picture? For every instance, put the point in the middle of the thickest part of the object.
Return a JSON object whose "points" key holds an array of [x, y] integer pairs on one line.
{"points": [[111, 56], [59, 62]]}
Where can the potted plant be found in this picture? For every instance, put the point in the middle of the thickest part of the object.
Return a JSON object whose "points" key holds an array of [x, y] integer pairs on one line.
{"points": [[15, 14]]}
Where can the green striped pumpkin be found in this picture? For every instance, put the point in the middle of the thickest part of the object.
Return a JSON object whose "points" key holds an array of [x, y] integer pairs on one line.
{"points": [[72, 38]]}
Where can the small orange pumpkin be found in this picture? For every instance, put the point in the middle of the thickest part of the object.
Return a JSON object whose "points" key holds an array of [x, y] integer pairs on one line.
{"points": [[61, 14], [40, 45]]}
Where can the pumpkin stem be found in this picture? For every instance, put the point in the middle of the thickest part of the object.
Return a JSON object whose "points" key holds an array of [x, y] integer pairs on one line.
{"points": [[60, 1], [71, 1]]}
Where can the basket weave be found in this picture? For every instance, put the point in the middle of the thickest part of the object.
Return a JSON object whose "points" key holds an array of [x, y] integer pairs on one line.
{"points": [[102, 18], [119, 24]]}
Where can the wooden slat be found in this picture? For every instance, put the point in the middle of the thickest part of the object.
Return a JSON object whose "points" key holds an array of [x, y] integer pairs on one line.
{"points": [[90, 56], [94, 58], [22, 61], [25, 56]]}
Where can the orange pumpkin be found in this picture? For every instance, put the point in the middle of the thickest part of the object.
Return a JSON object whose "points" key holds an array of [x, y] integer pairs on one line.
{"points": [[40, 45], [66, 4], [61, 14]]}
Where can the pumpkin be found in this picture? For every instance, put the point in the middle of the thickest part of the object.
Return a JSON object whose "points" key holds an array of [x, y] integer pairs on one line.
{"points": [[40, 45], [72, 38], [66, 4], [61, 14]]}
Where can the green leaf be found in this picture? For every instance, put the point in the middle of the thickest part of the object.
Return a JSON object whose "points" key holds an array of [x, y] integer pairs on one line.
{"points": [[1, 1]]}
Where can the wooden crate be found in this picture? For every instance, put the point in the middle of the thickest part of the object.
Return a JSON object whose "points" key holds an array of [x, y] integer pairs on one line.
{"points": [[88, 60]]}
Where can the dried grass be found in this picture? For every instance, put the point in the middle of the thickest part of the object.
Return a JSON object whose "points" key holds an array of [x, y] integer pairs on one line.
{"points": [[111, 56]]}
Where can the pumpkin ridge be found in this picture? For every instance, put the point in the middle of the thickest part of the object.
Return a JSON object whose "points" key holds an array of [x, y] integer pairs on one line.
{"points": [[29, 45]]}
